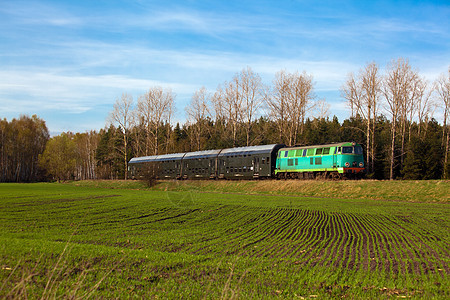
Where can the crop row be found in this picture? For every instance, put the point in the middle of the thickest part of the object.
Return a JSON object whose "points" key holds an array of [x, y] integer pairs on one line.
{"points": [[306, 237]]}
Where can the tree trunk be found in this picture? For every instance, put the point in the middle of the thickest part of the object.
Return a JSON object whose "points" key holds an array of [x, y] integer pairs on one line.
{"points": [[391, 171]]}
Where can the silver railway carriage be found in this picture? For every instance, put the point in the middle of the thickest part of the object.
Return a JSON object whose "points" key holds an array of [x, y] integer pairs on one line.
{"points": [[232, 163]]}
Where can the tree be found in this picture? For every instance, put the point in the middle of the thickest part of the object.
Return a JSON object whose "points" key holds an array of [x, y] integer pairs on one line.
{"points": [[228, 108], [59, 157], [442, 87], [108, 158], [86, 144], [288, 103], [362, 94], [121, 115], [154, 109], [424, 157], [400, 93], [21, 142], [252, 92], [197, 112]]}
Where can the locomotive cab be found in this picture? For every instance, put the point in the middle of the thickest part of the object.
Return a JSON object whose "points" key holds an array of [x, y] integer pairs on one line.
{"points": [[350, 159]]}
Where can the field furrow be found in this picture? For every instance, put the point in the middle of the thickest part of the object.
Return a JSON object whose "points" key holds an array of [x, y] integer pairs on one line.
{"points": [[217, 245]]}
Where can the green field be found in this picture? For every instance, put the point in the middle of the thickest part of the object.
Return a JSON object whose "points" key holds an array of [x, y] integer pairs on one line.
{"points": [[269, 239]]}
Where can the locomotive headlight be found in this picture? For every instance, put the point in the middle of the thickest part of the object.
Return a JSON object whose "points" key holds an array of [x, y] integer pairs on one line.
{"points": [[347, 164], [361, 164]]}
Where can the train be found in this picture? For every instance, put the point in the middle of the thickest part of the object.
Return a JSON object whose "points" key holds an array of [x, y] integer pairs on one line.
{"points": [[337, 160]]}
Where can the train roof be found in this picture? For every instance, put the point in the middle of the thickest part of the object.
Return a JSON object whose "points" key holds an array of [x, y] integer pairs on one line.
{"points": [[201, 154], [208, 153], [250, 150], [322, 146], [164, 157]]}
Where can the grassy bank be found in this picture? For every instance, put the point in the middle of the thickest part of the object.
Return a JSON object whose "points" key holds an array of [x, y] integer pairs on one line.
{"points": [[225, 239], [411, 191]]}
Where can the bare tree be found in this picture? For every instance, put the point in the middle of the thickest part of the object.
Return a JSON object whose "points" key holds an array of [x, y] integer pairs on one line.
{"points": [[424, 106], [443, 89], [197, 111], [322, 109], [289, 102], [154, 109], [251, 91], [86, 145], [278, 102], [228, 107], [401, 92], [121, 115], [362, 94], [303, 94]]}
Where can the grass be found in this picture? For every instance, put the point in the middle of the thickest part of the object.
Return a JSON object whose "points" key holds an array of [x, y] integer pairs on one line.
{"points": [[221, 239], [411, 191]]}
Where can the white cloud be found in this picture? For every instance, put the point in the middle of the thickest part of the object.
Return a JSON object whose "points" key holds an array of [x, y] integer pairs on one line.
{"points": [[77, 94], [39, 14]]}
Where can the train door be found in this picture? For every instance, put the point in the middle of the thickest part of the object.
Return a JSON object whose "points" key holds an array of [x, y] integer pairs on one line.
{"points": [[256, 166], [337, 151], [335, 157], [212, 168]]}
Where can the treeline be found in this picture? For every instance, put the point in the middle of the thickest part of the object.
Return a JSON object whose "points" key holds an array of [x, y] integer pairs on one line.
{"points": [[21, 142], [391, 117], [423, 157]]}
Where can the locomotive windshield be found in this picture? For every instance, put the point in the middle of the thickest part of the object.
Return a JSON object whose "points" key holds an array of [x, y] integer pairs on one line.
{"points": [[352, 150], [358, 150], [347, 150]]}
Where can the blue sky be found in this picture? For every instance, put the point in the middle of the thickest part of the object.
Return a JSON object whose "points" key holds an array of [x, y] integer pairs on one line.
{"points": [[68, 61]]}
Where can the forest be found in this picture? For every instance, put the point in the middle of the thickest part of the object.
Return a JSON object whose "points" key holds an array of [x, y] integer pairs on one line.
{"points": [[391, 116]]}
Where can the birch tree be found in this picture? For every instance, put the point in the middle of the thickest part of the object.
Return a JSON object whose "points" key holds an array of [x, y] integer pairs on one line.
{"points": [[400, 92], [154, 109], [197, 111], [362, 93], [121, 116], [228, 108], [251, 91], [288, 103], [442, 86]]}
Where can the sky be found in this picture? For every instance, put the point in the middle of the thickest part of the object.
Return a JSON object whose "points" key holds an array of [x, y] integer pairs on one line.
{"points": [[68, 61]]}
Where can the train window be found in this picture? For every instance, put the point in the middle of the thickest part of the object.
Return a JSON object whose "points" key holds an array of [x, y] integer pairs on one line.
{"points": [[290, 162], [286, 153], [339, 149], [298, 152], [310, 152], [311, 161], [268, 160], [347, 149], [304, 152], [358, 150], [326, 150], [319, 151], [291, 153], [263, 160], [318, 160], [279, 154], [296, 161]]}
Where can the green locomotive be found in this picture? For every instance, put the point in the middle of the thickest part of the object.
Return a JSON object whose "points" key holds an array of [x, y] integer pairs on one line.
{"points": [[332, 160]]}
